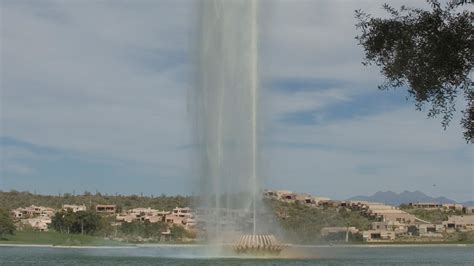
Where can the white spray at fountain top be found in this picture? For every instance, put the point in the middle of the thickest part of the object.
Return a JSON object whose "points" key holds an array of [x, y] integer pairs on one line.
{"points": [[225, 111]]}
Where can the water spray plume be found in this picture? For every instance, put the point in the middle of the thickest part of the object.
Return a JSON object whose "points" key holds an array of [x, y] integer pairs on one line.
{"points": [[225, 111]]}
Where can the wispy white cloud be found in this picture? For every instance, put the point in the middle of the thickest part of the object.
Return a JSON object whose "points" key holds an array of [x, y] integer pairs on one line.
{"points": [[96, 76], [284, 102]]}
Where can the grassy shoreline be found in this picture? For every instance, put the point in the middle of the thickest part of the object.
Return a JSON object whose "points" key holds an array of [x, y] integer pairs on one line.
{"points": [[55, 239], [371, 245]]}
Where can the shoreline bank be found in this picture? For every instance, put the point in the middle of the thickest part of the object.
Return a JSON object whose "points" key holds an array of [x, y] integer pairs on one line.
{"points": [[131, 246]]}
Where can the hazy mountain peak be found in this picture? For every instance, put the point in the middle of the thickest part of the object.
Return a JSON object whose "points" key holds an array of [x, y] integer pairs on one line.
{"points": [[405, 197]]}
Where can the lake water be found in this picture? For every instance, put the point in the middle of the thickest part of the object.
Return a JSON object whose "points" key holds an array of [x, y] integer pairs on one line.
{"points": [[193, 255]]}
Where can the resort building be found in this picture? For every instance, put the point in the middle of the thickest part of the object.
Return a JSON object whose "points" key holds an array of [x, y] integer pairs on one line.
{"points": [[291, 197], [468, 210], [362, 205], [378, 235], [106, 208], [459, 223], [391, 214], [155, 219], [74, 208], [453, 207], [430, 230], [330, 203], [269, 193], [181, 216], [142, 214], [397, 216], [319, 200], [397, 227], [435, 206], [125, 217], [285, 195], [382, 226], [39, 223], [32, 211], [427, 206], [17, 213], [305, 199]]}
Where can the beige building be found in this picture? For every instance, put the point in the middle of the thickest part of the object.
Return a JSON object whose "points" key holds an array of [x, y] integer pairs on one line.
{"points": [[469, 210], [388, 225], [127, 218], [453, 207], [305, 199], [181, 216], [142, 214], [435, 206], [374, 207], [378, 235], [39, 223], [269, 193], [285, 195], [155, 219], [143, 211], [459, 223], [398, 216], [383, 213], [398, 228], [319, 200], [18, 213], [394, 215], [32, 211], [105, 208], [74, 208], [426, 205], [431, 230], [362, 205]]}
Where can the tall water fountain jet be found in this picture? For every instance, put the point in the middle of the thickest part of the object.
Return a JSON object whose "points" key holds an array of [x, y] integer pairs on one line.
{"points": [[225, 111]]}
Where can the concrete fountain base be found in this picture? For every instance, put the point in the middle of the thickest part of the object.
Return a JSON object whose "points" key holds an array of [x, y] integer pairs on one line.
{"points": [[258, 245]]}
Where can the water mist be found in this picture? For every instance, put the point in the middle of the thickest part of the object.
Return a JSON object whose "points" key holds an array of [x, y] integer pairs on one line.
{"points": [[225, 108]]}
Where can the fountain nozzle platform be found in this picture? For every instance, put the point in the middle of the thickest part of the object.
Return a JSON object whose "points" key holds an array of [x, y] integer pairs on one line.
{"points": [[258, 244]]}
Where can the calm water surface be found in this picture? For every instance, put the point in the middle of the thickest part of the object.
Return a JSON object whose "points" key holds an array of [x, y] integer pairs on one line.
{"points": [[380, 255]]}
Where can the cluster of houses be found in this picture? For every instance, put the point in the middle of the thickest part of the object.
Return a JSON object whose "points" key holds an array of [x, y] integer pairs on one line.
{"points": [[389, 222], [39, 217], [447, 207], [291, 197], [178, 216]]}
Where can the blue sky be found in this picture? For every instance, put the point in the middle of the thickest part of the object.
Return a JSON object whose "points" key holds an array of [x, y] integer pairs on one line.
{"points": [[93, 97]]}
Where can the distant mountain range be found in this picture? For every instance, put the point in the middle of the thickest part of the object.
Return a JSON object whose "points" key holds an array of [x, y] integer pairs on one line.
{"points": [[392, 198]]}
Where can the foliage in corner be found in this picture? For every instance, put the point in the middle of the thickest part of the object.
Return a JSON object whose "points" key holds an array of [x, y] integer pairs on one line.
{"points": [[428, 51]]}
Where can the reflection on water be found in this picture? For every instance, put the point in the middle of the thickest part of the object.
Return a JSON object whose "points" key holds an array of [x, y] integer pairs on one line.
{"points": [[202, 255]]}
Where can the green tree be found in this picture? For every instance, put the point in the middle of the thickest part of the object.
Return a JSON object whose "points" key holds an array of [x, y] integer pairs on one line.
{"points": [[81, 222], [7, 227], [143, 229], [57, 222], [177, 232], [428, 51], [86, 222]]}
